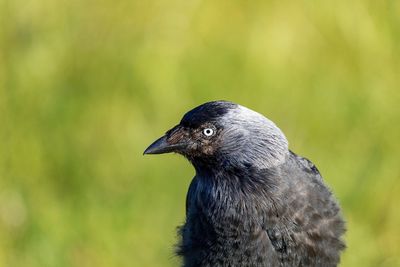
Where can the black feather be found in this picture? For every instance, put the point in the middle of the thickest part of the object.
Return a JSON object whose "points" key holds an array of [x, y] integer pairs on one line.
{"points": [[208, 112], [279, 217]]}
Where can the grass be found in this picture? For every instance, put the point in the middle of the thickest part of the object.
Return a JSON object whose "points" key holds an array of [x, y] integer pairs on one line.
{"points": [[86, 86]]}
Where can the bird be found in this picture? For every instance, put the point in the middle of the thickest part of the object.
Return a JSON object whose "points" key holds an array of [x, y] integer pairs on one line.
{"points": [[252, 202]]}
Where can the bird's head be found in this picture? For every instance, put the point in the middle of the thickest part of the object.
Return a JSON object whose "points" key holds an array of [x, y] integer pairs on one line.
{"points": [[221, 133]]}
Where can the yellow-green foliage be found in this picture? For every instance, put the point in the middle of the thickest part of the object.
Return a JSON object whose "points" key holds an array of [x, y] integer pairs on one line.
{"points": [[85, 86]]}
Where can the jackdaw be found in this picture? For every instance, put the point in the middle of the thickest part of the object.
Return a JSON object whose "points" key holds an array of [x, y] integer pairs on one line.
{"points": [[252, 202]]}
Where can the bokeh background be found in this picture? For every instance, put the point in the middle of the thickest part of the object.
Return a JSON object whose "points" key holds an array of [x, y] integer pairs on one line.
{"points": [[85, 86]]}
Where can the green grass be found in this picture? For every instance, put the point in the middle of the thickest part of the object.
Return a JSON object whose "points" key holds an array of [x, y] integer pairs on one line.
{"points": [[85, 86]]}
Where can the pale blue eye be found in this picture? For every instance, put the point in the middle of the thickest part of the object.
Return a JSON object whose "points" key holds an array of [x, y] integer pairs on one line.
{"points": [[208, 131]]}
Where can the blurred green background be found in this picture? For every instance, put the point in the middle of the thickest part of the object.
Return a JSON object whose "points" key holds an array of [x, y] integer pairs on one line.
{"points": [[85, 86]]}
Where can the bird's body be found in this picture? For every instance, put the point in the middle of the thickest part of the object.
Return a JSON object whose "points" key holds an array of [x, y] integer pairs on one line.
{"points": [[253, 217], [253, 202]]}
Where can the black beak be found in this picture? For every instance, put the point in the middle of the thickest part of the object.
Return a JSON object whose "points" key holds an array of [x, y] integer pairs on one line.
{"points": [[161, 146]]}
